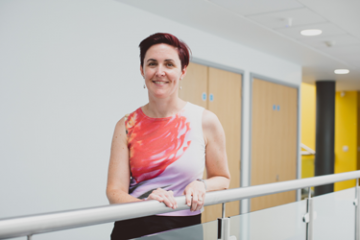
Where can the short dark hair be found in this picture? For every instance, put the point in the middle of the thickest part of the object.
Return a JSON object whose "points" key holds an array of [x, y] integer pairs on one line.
{"points": [[167, 38]]}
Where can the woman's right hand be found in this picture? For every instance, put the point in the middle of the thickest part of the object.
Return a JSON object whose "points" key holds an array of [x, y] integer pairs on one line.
{"points": [[166, 197]]}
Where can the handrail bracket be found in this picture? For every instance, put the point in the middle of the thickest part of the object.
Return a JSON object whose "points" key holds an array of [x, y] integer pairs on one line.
{"points": [[357, 210], [308, 217], [224, 227]]}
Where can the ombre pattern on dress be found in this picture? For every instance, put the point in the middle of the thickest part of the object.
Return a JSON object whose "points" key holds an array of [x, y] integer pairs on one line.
{"points": [[167, 153]]}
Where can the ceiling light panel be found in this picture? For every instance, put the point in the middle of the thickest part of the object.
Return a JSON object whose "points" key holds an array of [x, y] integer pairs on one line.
{"points": [[341, 71], [298, 17], [328, 29], [248, 7], [311, 32]]}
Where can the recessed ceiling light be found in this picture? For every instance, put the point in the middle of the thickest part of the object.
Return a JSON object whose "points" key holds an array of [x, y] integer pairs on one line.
{"points": [[341, 71], [311, 32]]}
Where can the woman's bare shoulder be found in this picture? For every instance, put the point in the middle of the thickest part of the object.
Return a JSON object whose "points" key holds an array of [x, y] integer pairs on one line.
{"points": [[209, 120], [120, 130], [121, 123], [211, 127]]}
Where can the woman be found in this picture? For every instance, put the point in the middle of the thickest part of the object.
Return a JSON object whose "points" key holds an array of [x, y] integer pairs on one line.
{"points": [[160, 150]]}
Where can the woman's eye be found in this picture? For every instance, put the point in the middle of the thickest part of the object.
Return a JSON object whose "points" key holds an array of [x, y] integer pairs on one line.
{"points": [[170, 64], [151, 64]]}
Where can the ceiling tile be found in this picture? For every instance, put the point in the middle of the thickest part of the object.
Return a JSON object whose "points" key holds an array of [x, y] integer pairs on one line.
{"points": [[247, 7], [348, 54], [355, 63], [342, 51], [353, 59], [298, 17], [344, 13], [328, 29], [333, 41]]}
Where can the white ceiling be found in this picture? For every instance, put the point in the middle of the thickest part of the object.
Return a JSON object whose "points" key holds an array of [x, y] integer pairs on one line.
{"points": [[337, 47]]}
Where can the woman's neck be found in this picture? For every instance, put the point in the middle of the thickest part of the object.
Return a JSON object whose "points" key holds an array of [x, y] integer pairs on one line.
{"points": [[160, 108]]}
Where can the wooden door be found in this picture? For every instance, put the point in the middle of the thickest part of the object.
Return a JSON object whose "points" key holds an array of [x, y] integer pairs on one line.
{"points": [[194, 84], [274, 140], [225, 102]]}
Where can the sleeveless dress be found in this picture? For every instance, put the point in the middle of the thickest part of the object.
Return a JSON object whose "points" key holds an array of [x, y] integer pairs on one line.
{"points": [[167, 153]]}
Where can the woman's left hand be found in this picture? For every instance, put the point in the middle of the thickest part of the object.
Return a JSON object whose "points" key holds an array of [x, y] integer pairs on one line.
{"points": [[196, 189]]}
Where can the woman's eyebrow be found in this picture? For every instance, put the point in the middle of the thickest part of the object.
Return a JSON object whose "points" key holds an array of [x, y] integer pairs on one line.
{"points": [[169, 60], [151, 59]]}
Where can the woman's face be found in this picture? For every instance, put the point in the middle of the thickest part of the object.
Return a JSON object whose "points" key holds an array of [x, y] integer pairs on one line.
{"points": [[162, 70]]}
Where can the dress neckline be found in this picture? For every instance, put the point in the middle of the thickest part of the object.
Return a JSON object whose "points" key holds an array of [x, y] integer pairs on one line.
{"points": [[164, 118]]}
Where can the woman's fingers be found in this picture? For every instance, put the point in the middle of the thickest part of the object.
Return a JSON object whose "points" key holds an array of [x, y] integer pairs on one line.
{"points": [[169, 199], [172, 198], [188, 199], [166, 197], [194, 198], [195, 202], [201, 201], [195, 195], [154, 196]]}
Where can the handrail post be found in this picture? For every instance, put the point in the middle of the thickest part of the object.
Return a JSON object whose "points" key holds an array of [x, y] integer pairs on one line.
{"points": [[29, 237], [224, 227], [357, 210], [308, 217], [223, 210]]}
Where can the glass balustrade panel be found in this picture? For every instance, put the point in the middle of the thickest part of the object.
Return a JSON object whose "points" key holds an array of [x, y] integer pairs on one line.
{"points": [[205, 231], [276, 223], [334, 215]]}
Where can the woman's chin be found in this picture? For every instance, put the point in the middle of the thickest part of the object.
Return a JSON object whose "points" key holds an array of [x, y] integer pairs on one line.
{"points": [[160, 94]]}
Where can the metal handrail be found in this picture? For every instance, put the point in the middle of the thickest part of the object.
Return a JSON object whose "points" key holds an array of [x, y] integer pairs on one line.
{"points": [[41, 223]]}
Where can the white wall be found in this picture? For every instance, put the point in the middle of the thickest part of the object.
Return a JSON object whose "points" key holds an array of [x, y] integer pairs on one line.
{"points": [[69, 70]]}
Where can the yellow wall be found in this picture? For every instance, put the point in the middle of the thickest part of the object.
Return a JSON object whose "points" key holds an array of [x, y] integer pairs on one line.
{"points": [[345, 135], [308, 124], [358, 131]]}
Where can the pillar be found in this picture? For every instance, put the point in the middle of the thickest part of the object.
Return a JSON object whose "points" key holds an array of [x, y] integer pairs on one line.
{"points": [[325, 131]]}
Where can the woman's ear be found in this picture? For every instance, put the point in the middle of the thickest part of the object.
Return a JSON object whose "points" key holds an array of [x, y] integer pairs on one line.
{"points": [[183, 72], [142, 71]]}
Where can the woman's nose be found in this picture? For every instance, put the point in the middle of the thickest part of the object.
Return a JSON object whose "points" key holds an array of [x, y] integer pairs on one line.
{"points": [[160, 71]]}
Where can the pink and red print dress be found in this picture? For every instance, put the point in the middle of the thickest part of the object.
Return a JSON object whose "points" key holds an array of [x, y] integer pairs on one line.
{"points": [[166, 153]]}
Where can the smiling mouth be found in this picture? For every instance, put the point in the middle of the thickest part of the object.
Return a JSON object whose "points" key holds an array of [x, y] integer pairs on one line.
{"points": [[159, 82]]}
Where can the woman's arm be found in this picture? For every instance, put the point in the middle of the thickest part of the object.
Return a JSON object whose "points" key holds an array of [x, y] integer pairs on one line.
{"points": [[117, 189], [218, 175]]}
